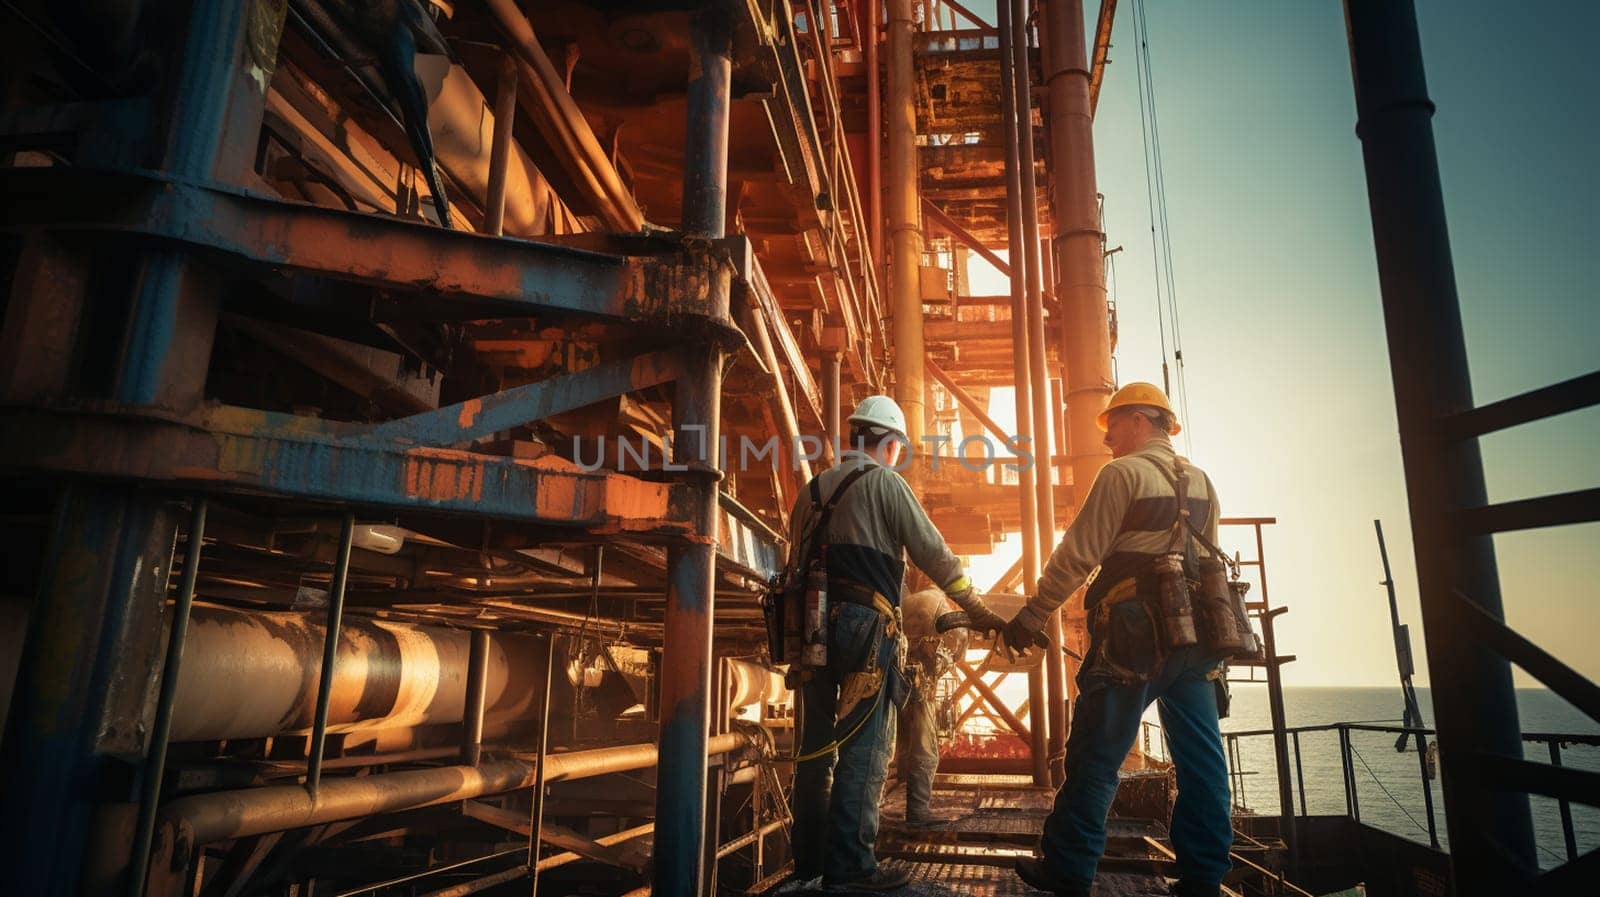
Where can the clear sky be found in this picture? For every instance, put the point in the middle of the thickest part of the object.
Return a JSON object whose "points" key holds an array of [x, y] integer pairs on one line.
{"points": [[1288, 378]]}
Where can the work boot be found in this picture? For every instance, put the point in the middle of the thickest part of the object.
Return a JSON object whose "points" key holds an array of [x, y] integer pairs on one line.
{"points": [[920, 823], [1038, 873], [1188, 888], [884, 878]]}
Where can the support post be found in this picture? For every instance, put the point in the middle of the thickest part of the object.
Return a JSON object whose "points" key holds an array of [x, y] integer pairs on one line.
{"points": [[905, 232], [156, 758], [1490, 829], [536, 810], [330, 653], [871, 18], [477, 691], [832, 404], [1038, 695], [1038, 384], [505, 122], [1079, 242], [696, 410]]}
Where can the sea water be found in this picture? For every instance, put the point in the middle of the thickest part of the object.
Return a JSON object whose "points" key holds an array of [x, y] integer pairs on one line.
{"points": [[1388, 783]]}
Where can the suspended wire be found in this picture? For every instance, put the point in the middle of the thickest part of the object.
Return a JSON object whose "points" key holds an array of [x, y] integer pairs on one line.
{"points": [[1155, 178], [1150, 197]]}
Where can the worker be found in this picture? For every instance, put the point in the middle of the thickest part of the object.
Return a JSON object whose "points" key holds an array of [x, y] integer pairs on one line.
{"points": [[1129, 520], [848, 707], [929, 657]]}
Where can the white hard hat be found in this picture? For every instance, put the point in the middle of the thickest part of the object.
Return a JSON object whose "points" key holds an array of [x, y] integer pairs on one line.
{"points": [[880, 411]]}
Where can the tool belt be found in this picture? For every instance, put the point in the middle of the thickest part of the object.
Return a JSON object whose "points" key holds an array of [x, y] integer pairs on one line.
{"points": [[1125, 634], [859, 685]]}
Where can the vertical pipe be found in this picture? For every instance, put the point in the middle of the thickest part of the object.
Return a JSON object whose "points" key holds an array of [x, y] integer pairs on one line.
{"points": [[696, 410], [472, 713], [1300, 774], [1427, 790], [872, 18], [788, 421], [832, 402], [1344, 769], [330, 653], [505, 121], [1280, 737], [156, 759], [1039, 379], [1475, 710], [1567, 833], [1079, 242], [536, 811], [1038, 695], [905, 233]]}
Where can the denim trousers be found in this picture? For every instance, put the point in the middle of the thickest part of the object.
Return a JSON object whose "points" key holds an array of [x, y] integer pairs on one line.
{"points": [[836, 796], [1105, 722]]}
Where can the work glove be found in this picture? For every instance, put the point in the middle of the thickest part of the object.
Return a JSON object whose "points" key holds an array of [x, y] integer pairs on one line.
{"points": [[985, 621], [1026, 630]]}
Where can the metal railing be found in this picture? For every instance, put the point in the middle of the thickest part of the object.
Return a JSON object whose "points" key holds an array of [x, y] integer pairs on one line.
{"points": [[1554, 742]]}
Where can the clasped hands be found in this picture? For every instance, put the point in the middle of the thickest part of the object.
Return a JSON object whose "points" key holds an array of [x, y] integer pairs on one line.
{"points": [[1015, 636]]}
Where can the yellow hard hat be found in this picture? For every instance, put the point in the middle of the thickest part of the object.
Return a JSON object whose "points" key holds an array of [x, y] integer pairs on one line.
{"points": [[1140, 393]]}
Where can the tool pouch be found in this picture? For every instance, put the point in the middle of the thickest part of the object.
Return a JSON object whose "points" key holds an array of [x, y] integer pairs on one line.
{"points": [[1217, 627], [859, 685], [1125, 636]]}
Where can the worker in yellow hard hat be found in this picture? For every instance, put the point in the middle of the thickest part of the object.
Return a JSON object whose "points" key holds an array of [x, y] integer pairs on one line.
{"points": [[1128, 534]]}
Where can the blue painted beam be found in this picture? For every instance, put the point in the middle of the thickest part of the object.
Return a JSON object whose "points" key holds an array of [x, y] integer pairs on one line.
{"points": [[482, 417], [495, 275]]}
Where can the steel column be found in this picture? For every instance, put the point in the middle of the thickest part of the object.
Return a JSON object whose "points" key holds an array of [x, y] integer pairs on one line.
{"points": [[905, 232], [685, 686], [1079, 242], [1280, 738], [872, 16], [477, 692], [1028, 534], [832, 403], [1491, 830], [330, 654], [1039, 383], [541, 772]]}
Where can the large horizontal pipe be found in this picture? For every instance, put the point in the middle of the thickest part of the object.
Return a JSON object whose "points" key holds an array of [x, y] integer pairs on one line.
{"points": [[189, 823], [252, 674], [753, 683]]}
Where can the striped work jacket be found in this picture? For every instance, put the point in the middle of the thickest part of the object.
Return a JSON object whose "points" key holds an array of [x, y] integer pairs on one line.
{"points": [[1124, 524]]}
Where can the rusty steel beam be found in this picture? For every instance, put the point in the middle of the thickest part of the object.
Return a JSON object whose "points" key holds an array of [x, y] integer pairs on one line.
{"points": [[905, 232], [966, 399], [498, 275], [1102, 50], [484, 416], [685, 685], [944, 222], [1028, 532]]}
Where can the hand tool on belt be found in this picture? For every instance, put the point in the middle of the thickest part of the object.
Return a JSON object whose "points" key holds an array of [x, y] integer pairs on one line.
{"points": [[859, 685]]}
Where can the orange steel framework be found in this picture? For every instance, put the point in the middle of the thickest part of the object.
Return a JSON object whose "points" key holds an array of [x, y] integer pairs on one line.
{"points": [[244, 343]]}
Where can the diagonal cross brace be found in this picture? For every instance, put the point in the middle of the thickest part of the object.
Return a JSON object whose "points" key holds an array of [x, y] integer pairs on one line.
{"points": [[482, 417]]}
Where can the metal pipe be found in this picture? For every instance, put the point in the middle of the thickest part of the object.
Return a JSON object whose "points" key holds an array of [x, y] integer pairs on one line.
{"points": [[330, 654], [872, 15], [541, 775], [905, 232], [1490, 829], [189, 823], [832, 412], [685, 684], [1079, 242], [562, 121], [481, 884], [161, 733], [505, 121], [1039, 383], [477, 689], [788, 421], [393, 675], [1038, 697]]}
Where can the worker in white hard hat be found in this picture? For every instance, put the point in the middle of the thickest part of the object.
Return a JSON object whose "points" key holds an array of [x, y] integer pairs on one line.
{"points": [[873, 523], [1130, 520]]}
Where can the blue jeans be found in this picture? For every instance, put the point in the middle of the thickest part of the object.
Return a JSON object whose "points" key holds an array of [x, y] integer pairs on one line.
{"points": [[1105, 722], [836, 796]]}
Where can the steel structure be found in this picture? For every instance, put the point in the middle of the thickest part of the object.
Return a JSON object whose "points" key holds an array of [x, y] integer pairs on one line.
{"points": [[1470, 649]]}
